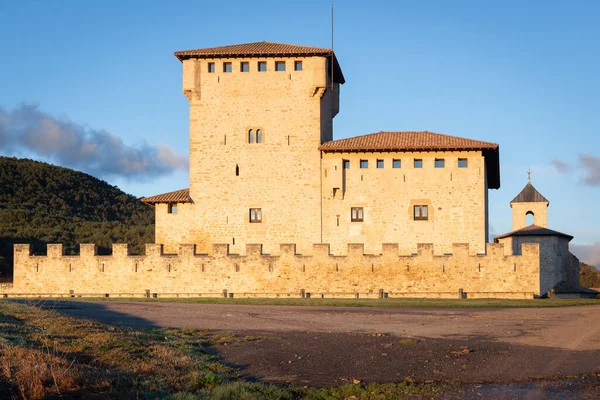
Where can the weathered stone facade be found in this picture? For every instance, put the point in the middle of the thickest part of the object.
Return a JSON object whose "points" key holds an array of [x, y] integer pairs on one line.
{"points": [[286, 274], [305, 192], [264, 168]]}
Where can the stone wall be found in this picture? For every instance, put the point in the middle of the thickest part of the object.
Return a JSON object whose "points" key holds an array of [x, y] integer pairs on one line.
{"points": [[455, 197], [229, 175], [557, 263], [287, 273]]}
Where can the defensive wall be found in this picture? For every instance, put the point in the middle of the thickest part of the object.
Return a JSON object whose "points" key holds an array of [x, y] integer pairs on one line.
{"points": [[288, 274]]}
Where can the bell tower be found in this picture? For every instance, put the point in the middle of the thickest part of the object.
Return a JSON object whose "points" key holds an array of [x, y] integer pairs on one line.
{"points": [[529, 201]]}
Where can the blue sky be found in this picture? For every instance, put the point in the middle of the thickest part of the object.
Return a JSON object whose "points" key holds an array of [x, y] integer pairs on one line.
{"points": [[521, 74]]}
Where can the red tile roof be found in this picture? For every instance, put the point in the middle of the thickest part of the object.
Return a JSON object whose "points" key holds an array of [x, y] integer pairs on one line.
{"points": [[420, 141], [405, 141], [533, 230], [178, 196], [262, 49], [255, 49]]}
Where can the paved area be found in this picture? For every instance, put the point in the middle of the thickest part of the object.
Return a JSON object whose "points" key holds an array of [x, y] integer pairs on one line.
{"points": [[334, 345]]}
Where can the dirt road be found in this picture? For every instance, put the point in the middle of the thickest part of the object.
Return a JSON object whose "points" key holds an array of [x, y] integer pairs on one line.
{"points": [[335, 345]]}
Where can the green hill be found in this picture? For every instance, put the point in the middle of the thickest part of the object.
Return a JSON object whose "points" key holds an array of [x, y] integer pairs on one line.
{"points": [[42, 203]]}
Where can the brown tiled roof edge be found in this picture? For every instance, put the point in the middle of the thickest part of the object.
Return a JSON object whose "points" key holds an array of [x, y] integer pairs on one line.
{"points": [[403, 141], [420, 141], [263, 49], [254, 49], [177, 196]]}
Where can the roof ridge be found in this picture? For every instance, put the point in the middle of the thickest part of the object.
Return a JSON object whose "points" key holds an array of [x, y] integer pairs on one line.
{"points": [[264, 42], [411, 132]]}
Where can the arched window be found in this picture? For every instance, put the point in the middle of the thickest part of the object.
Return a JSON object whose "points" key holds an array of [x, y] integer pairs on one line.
{"points": [[250, 136], [530, 218], [237, 170], [258, 136]]}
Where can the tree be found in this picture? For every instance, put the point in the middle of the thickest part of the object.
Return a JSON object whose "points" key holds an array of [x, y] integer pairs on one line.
{"points": [[589, 276]]}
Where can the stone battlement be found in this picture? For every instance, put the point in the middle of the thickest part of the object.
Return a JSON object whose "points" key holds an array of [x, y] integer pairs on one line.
{"points": [[253, 273]]}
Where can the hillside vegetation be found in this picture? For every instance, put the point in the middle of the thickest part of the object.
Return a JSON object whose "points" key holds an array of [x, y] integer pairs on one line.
{"points": [[589, 276], [42, 203]]}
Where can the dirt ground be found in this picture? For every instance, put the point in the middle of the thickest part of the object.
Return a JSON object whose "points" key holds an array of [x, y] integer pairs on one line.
{"points": [[499, 353]]}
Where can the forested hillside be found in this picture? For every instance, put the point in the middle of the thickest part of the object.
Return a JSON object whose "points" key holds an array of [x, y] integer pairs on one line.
{"points": [[42, 203], [589, 276]]}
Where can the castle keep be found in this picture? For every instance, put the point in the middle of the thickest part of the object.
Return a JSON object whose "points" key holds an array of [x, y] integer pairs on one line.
{"points": [[277, 207], [264, 167]]}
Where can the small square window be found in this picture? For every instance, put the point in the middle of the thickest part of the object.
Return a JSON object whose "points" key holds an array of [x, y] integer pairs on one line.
{"points": [[227, 67], [346, 164], [356, 214], [364, 164], [418, 163], [244, 66], [439, 163], [262, 66], [420, 213], [463, 163], [297, 65], [379, 163], [211, 67], [172, 208], [255, 215], [279, 65], [396, 164]]}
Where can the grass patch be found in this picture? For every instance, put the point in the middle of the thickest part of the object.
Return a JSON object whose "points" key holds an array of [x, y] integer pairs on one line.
{"points": [[395, 303], [44, 354]]}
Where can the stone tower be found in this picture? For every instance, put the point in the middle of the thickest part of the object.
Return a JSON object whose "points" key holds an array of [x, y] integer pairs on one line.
{"points": [[529, 201], [258, 114]]}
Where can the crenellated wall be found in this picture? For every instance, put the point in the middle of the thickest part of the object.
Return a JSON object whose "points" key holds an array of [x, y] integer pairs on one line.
{"points": [[255, 274]]}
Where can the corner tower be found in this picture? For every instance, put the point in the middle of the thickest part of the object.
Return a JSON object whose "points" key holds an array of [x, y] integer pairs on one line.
{"points": [[258, 114], [529, 201]]}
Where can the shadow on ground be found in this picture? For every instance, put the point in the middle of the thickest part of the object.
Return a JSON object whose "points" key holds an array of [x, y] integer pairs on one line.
{"points": [[96, 311], [331, 359]]}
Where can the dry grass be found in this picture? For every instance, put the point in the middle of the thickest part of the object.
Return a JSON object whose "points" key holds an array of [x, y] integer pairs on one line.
{"points": [[44, 354], [37, 373]]}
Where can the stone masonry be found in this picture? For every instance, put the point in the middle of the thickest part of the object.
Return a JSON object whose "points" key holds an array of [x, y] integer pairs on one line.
{"points": [[285, 274]]}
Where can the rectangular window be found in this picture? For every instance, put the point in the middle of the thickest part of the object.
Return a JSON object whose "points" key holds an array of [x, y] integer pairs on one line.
{"points": [[255, 215], [227, 67], [379, 163], [463, 163], [420, 213], [364, 164], [297, 65], [356, 214], [346, 164], [279, 65], [396, 164], [418, 163], [172, 208], [439, 163], [211, 67], [262, 66], [245, 66]]}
